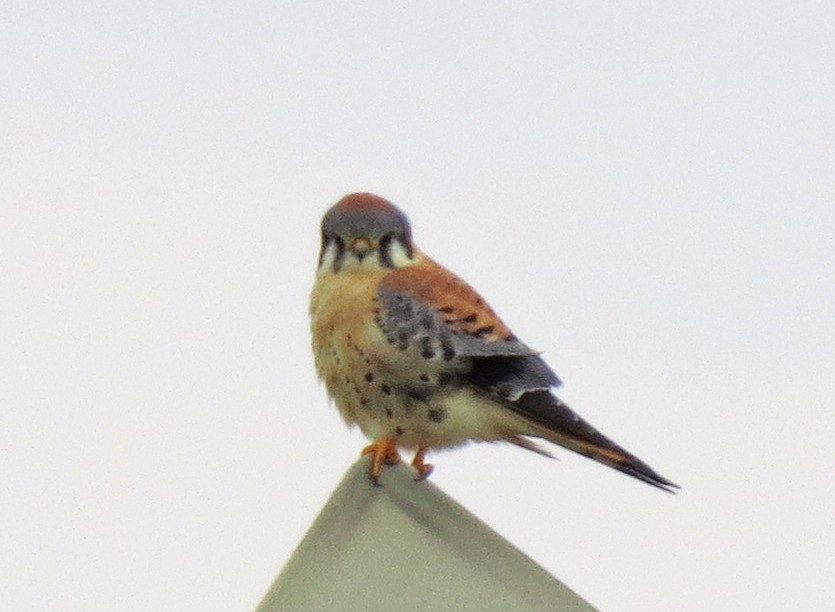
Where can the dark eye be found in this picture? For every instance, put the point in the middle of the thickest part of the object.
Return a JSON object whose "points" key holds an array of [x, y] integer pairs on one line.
{"points": [[328, 237], [385, 241]]}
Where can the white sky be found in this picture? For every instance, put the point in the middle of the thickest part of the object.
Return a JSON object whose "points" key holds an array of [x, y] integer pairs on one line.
{"points": [[646, 194]]}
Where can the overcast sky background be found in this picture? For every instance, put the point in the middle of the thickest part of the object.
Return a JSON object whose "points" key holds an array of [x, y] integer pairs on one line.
{"points": [[644, 193]]}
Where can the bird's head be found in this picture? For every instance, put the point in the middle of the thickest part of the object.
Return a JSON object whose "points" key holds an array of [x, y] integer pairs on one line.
{"points": [[365, 230]]}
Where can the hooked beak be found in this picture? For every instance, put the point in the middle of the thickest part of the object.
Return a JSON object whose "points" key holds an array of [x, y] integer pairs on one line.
{"points": [[361, 247]]}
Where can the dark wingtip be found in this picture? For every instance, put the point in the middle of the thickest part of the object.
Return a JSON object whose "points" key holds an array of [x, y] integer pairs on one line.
{"points": [[563, 426], [644, 473]]}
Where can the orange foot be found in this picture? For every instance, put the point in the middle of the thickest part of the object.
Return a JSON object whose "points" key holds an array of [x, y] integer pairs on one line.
{"points": [[385, 453], [424, 469]]}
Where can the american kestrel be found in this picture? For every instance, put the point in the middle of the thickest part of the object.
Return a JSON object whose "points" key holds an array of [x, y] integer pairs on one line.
{"points": [[414, 356]]}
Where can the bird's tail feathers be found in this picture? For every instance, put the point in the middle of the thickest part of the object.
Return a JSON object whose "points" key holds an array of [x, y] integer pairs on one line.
{"points": [[554, 421], [527, 444]]}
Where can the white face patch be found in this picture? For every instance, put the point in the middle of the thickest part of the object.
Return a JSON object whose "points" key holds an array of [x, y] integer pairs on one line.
{"points": [[329, 257], [399, 254]]}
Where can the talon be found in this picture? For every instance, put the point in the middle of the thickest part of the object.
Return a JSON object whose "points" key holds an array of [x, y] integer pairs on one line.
{"points": [[423, 469], [384, 452]]}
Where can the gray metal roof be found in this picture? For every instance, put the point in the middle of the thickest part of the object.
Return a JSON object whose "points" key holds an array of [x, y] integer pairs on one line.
{"points": [[406, 545]]}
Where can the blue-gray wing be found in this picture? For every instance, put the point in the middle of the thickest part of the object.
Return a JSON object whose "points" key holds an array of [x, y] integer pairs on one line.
{"points": [[498, 364]]}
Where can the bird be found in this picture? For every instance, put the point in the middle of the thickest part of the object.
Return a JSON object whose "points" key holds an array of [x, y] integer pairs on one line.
{"points": [[415, 357]]}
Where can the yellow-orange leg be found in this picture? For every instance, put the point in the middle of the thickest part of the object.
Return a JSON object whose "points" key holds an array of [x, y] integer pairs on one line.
{"points": [[423, 469], [384, 452]]}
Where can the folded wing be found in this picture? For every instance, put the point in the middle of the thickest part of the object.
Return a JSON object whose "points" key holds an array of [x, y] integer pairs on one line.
{"points": [[426, 301]]}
